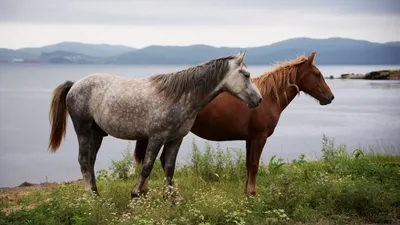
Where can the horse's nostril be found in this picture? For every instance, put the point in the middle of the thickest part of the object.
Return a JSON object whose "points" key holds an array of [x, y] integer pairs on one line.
{"points": [[333, 97], [260, 100]]}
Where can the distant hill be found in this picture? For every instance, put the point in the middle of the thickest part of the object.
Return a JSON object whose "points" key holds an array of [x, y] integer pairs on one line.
{"points": [[395, 43], [193, 54], [329, 51], [65, 57], [9, 54], [94, 50]]}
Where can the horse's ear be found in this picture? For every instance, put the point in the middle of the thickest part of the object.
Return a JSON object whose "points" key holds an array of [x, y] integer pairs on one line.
{"points": [[311, 57], [241, 57]]}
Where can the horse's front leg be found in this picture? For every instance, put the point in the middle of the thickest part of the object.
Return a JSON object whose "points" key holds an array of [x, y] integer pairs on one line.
{"points": [[153, 148], [170, 153], [253, 160]]}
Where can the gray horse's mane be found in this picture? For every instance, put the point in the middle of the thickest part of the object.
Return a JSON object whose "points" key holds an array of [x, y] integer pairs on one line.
{"points": [[198, 81]]}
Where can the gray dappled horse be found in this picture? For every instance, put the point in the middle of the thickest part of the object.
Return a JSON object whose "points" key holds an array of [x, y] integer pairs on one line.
{"points": [[160, 109]]}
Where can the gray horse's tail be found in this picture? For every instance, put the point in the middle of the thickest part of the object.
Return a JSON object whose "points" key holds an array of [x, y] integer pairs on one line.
{"points": [[58, 115]]}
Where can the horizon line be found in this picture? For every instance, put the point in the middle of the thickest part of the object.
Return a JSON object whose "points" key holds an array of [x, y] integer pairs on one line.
{"points": [[304, 37]]}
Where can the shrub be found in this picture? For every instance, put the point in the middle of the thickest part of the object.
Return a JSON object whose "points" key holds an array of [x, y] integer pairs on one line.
{"points": [[123, 168], [217, 164]]}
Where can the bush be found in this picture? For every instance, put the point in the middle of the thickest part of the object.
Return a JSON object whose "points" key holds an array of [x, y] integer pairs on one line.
{"points": [[217, 164], [123, 169]]}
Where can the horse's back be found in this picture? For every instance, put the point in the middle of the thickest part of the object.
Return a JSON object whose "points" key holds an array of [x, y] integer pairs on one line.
{"points": [[99, 79], [90, 92], [120, 106]]}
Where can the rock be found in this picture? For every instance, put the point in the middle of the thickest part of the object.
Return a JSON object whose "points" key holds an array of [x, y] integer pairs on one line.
{"points": [[26, 184], [378, 75], [374, 75], [352, 76], [394, 75]]}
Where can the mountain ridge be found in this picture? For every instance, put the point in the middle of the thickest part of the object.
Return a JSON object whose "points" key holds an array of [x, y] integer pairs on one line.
{"points": [[334, 50], [94, 50]]}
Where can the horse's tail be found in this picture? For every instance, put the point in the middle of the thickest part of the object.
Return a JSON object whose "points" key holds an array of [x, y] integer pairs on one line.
{"points": [[58, 115], [140, 151]]}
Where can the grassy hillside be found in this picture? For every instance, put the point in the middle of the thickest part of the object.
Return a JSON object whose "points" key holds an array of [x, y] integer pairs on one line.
{"points": [[340, 188]]}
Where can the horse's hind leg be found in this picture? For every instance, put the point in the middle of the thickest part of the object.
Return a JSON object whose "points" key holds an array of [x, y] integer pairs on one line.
{"points": [[83, 129], [97, 138], [168, 159], [153, 148]]}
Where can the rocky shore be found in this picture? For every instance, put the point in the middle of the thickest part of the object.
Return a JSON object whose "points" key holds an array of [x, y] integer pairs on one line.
{"points": [[374, 75]]}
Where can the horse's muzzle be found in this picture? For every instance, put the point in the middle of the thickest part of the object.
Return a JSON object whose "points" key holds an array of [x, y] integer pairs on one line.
{"points": [[326, 99], [254, 104]]}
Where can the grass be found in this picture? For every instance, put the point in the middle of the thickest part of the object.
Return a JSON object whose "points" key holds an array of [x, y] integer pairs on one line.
{"points": [[341, 188]]}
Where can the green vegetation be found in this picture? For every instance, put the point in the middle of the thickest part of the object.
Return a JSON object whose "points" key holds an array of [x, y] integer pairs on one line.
{"points": [[341, 188]]}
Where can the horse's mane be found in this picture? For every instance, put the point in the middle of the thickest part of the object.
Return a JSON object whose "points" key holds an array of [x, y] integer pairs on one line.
{"points": [[197, 81], [284, 74]]}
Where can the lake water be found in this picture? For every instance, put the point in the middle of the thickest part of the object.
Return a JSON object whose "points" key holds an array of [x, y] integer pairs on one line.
{"points": [[363, 113]]}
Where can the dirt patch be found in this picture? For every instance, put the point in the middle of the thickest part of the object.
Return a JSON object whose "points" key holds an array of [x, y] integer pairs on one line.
{"points": [[11, 194]]}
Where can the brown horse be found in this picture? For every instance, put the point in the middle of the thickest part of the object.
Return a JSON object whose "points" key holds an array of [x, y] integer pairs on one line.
{"points": [[226, 118]]}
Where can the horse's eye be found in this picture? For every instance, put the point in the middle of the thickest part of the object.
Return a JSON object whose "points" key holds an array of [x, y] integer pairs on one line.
{"points": [[246, 74], [318, 74]]}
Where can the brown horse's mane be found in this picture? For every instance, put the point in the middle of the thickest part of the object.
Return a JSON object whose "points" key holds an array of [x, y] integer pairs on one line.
{"points": [[273, 82]]}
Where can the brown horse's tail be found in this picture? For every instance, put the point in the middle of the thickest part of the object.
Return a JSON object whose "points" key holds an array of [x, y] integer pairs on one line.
{"points": [[58, 115], [140, 151]]}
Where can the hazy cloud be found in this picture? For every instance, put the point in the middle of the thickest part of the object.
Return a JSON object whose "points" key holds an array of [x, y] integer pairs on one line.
{"points": [[183, 22], [186, 12]]}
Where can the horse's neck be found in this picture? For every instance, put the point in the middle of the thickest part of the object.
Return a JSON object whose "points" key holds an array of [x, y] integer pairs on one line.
{"points": [[199, 104], [286, 97], [211, 97]]}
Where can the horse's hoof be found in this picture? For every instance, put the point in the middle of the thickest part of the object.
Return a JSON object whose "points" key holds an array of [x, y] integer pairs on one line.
{"points": [[94, 193], [179, 199], [135, 195], [251, 194]]}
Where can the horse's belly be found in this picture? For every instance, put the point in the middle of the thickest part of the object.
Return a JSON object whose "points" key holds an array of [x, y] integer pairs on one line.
{"points": [[122, 127], [214, 130], [123, 131], [211, 134]]}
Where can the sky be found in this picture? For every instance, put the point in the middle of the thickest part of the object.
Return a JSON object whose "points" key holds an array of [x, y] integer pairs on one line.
{"points": [[233, 23]]}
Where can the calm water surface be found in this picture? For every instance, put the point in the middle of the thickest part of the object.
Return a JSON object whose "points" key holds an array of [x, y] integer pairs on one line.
{"points": [[363, 113]]}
